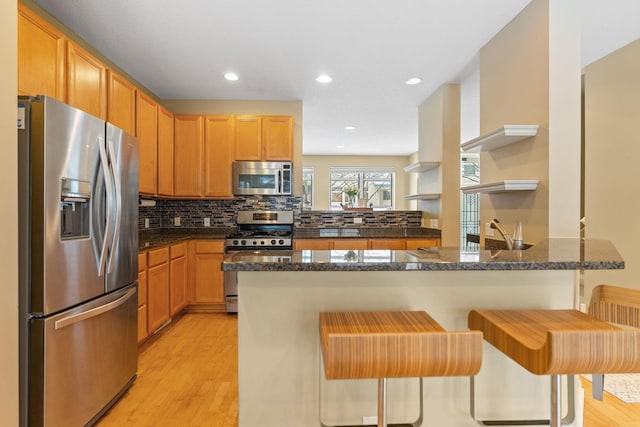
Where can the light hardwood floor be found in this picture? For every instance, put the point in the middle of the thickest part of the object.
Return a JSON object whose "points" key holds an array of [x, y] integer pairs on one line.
{"points": [[188, 377]]}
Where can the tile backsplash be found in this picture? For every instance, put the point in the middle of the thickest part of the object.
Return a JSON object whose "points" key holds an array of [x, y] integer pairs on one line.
{"points": [[222, 214]]}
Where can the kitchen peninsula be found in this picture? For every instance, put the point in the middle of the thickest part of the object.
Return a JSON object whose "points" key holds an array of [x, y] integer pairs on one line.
{"points": [[281, 380]]}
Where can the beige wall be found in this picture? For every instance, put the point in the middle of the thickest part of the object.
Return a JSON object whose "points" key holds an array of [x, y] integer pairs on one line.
{"points": [[612, 155], [439, 141], [514, 89], [265, 108], [321, 165], [530, 74], [8, 216]]}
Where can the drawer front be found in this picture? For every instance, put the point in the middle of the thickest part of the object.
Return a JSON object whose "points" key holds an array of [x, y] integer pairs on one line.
{"points": [[178, 250], [142, 262], [158, 256], [413, 244], [209, 246]]}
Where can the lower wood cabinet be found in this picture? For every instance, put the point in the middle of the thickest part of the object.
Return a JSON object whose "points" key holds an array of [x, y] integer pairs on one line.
{"points": [[413, 244], [177, 278], [364, 244], [207, 277], [143, 331], [158, 288]]}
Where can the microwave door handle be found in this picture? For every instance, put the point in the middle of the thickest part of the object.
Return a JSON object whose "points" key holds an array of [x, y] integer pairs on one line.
{"points": [[279, 185]]}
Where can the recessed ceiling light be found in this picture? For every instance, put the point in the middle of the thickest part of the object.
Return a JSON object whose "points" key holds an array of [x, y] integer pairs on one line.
{"points": [[339, 146], [350, 127], [413, 81], [324, 79], [231, 76]]}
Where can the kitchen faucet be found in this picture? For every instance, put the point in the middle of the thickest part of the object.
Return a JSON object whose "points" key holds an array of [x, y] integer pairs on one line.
{"points": [[514, 242]]}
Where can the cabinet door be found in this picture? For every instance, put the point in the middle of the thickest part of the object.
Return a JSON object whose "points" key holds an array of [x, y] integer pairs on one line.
{"points": [[312, 244], [121, 103], [394, 244], [158, 296], [86, 81], [218, 155], [413, 244], [41, 56], [189, 138], [165, 152], [147, 132], [350, 244], [178, 284], [248, 137], [142, 298], [209, 285], [277, 137]]}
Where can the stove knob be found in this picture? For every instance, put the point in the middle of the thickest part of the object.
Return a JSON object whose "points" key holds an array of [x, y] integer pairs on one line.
{"points": [[235, 243], [262, 242], [281, 242], [273, 242], [244, 242]]}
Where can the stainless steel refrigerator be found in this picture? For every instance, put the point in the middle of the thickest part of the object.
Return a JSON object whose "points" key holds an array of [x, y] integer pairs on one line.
{"points": [[78, 205]]}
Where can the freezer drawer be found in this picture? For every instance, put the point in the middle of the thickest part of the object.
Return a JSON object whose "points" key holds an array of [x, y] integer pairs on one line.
{"points": [[81, 359]]}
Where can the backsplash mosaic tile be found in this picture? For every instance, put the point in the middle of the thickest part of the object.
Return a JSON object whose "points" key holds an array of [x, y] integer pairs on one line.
{"points": [[346, 219], [222, 214]]}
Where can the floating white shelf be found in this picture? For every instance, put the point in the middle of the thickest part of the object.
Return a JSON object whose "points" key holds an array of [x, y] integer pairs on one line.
{"points": [[422, 196], [421, 167], [502, 186], [505, 135]]}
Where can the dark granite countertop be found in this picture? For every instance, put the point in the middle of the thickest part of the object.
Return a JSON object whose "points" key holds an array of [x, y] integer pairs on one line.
{"points": [[151, 239], [550, 254], [367, 233], [158, 238]]}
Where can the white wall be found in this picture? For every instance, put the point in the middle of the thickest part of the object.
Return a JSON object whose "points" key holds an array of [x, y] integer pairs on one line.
{"points": [[8, 216]]}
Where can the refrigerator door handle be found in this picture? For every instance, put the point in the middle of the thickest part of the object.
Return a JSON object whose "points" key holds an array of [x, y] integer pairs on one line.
{"points": [[104, 160], [79, 317], [117, 201]]}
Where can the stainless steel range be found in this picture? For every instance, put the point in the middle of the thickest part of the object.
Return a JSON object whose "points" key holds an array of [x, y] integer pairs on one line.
{"points": [[256, 231], [262, 230]]}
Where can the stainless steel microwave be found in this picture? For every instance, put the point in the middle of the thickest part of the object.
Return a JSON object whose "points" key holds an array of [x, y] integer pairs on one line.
{"points": [[269, 178]]}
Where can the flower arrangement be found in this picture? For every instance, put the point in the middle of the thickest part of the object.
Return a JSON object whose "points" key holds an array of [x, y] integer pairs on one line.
{"points": [[351, 190]]}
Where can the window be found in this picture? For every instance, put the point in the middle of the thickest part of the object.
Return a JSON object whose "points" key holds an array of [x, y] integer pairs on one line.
{"points": [[375, 187], [469, 203], [307, 188]]}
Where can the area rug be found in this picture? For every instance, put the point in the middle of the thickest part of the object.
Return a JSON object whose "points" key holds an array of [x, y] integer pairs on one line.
{"points": [[625, 387]]}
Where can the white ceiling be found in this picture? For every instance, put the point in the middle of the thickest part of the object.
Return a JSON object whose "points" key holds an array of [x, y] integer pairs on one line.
{"points": [[182, 49]]}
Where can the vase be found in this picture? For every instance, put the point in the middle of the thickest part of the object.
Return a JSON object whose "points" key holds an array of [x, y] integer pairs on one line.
{"points": [[352, 201]]}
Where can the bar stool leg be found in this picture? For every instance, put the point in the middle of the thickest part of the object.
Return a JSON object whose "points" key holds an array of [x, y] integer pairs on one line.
{"points": [[382, 402], [556, 402]]}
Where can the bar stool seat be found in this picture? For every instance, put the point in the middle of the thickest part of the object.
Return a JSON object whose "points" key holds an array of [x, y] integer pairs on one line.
{"points": [[559, 342], [395, 344]]}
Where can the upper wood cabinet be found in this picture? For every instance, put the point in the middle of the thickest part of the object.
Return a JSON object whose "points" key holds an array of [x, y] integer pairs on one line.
{"points": [[147, 132], [189, 139], [86, 81], [277, 137], [248, 137], [121, 103], [165, 152], [263, 138], [41, 56], [218, 155]]}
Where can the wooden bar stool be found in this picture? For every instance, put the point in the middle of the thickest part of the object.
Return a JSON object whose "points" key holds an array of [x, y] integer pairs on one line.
{"points": [[392, 345], [559, 342]]}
